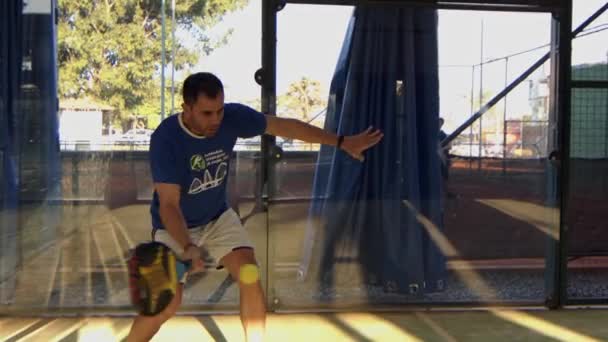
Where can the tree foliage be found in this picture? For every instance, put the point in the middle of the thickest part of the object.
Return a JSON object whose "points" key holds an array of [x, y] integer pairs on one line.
{"points": [[302, 99], [110, 50]]}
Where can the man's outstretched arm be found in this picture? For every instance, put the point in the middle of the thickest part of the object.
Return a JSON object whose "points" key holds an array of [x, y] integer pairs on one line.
{"points": [[354, 145]]}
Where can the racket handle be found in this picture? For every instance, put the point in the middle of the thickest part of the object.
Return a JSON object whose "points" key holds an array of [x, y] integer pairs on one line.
{"points": [[181, 268]]}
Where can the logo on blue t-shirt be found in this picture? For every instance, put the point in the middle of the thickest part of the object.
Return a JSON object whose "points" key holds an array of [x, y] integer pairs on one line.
{"points": [[197, 163], [211, 169]]}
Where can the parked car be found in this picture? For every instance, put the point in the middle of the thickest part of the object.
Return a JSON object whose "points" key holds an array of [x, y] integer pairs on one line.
{"points": [[136, 136]]}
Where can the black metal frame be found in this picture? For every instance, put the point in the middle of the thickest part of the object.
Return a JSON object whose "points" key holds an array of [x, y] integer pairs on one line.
{"points": [[561, 48], [560, 54], [560, 138], [590, 84], [495, 5]]}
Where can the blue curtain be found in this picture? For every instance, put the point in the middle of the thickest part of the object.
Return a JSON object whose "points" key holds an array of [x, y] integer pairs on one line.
{"points": [[386, 77], [10, 72], [39, 126], [38, 123], [29, 133]]}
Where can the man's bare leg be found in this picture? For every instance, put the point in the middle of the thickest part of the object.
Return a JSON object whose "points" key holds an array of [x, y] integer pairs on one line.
{"points": [[253, 303], [145, 327]]}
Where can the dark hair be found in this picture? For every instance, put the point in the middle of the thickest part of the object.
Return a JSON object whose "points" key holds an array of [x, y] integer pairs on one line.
{"points": [[201, 83]]}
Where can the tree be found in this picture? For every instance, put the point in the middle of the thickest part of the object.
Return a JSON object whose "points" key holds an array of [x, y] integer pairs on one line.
{"points": [[110, 50], [302, 99]]}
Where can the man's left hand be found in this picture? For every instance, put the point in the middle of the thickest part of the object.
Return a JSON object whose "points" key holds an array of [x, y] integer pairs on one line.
{"points": [[355, 145]]}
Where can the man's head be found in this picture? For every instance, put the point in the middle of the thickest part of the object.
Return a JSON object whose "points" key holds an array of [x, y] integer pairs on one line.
{"points": [[203, 95]]}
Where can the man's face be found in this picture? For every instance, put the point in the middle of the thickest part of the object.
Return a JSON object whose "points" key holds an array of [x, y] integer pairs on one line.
{"points": [[205, 115]]}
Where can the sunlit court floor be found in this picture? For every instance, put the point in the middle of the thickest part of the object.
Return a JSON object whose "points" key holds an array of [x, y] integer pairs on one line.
{"points": [[83, 263], [479, 325]]}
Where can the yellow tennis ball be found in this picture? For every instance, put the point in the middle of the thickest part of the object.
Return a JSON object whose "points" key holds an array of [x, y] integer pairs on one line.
{"points": [[249, 274]]}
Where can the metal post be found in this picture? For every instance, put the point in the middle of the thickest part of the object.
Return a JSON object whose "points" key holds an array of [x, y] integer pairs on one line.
{"points": [[268, 72], [561, 47], [162, 59], [504, 120], [268, 83], [480, 98], [472, 111], [564, 93]]}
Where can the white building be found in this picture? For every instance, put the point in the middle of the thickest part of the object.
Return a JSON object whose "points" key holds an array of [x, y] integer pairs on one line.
{"points": [[81, 123]]}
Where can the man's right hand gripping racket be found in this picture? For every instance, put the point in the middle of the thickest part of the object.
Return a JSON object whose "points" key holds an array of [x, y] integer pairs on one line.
{"points": [[154, 275]]}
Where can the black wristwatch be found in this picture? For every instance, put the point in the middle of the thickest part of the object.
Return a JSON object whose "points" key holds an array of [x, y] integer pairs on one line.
{"points": [[340, 141]]}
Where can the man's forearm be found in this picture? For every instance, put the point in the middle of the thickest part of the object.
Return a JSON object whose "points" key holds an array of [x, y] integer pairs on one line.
{"points": [[174, 223], [295, 129]]}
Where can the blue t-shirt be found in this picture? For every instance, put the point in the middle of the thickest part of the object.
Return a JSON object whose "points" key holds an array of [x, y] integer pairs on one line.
{"points": [[199, 164]]}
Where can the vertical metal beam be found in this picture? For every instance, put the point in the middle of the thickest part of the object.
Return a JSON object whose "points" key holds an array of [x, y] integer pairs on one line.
{"points": [[504, 121], [268, 77], [472, 111], [564, 93], [268, 83], [481, 63], [269, 55], [559, 142]]}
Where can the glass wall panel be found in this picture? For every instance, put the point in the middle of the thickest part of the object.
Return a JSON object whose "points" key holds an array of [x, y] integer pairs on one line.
{"points": [[587, 239], [497, 216], [90, 97]]}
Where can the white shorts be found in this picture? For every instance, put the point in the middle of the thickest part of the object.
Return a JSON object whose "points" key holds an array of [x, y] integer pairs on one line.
{"points": [[217, 238]]}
